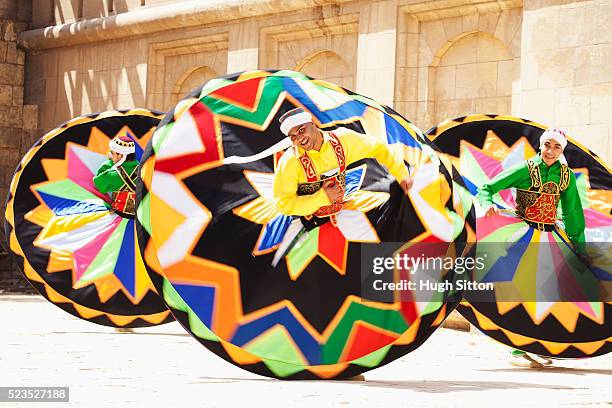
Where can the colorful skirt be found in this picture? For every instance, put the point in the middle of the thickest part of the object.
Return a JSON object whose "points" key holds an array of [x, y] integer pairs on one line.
{"points": [[73, 247], [545, 299], [251, 284]]}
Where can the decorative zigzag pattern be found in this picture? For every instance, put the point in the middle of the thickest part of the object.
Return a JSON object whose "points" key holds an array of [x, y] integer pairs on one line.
{"points": [[198, 138]]}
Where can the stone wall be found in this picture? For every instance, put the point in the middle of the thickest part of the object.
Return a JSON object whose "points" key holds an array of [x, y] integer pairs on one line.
{"points": [[431, 60], [18, 123], [566, 68]]}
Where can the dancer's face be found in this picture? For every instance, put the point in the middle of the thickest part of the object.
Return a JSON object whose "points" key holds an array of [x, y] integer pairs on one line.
{"points": [[306, 136], [551, 150], [114, 156]]}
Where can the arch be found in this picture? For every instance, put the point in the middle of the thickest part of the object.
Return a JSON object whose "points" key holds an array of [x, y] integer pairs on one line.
{"points": [[190, 80], [327, 65], [473, 73]]}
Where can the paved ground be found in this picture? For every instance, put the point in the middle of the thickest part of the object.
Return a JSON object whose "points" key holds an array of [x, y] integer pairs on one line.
{"points": [[43, 346]]}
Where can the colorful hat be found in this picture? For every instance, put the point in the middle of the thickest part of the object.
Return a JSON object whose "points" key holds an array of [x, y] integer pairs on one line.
{"points": [[122, 145], [555, 134]]}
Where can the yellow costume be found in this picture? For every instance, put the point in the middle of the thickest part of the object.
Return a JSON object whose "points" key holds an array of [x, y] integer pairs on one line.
{"points": [[290, 175]]}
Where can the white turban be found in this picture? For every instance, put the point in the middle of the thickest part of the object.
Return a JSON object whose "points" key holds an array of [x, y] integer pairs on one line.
{"points": [[296, 119], [558, 136]]}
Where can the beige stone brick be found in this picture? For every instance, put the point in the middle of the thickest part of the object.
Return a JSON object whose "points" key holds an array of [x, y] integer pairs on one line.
{"points": [[488, 22], [476, 80], [572, 105], [529, 71], [8, 139], [554, 68], [491, 49], [462, 51], [601, 104], [603, 22], [538, 105], [469, 23], [426, 55], [424, 118], [30, 117], [11, 53], [594, 137], [10, 34], [411, 50], [413, 26], [17, 96], [434, 34], [508, 25], [453, 27], [576, 25], [423, 84], [499, 105], [6, 95], [10, 157], [11, 74], [453, 108], [406, 84], [3, 49], [20, 57], [11, 116], [445, 83], [507, 75], [540, 30], [595, 67]]}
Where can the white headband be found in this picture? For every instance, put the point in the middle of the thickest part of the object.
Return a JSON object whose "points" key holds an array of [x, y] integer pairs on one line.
{"points": [[295, 120], [553, 134], [117, 146]]}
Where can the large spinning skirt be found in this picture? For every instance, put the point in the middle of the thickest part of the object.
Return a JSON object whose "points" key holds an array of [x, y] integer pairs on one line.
{"points": [[248, 282], [546, 300], [70, 244]]}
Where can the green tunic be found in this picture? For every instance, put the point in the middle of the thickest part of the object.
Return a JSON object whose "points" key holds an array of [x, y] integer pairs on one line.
{"points": [[107, 179], [518, 177]]}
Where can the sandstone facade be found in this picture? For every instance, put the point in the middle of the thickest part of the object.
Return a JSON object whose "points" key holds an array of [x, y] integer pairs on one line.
{"points": [[547, 60]]}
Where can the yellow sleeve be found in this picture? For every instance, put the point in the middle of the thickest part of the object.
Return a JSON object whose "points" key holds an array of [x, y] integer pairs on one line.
{"points": [[358, 147], [285, 190]]}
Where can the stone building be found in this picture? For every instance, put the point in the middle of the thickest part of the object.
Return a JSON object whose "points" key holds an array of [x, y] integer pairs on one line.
{"points": [[547, 60]]}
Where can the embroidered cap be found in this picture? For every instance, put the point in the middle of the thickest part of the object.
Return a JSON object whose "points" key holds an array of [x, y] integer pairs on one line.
{"points": [[122, 145], [555, 134]]}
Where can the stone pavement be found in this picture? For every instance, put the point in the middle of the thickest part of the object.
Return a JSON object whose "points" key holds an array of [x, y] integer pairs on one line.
{"points": [[162, 366]]}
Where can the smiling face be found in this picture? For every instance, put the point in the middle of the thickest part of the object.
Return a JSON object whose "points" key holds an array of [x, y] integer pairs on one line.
{"points": [[306, 136], [551, 150]]}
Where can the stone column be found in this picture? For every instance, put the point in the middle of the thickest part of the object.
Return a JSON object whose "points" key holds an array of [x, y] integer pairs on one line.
{"points": [[376, 51], [243, 51]]}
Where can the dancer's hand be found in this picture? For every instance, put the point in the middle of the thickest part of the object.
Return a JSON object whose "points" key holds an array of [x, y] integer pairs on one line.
{"points": [[333, 190], [493, 210], [406, 184]]}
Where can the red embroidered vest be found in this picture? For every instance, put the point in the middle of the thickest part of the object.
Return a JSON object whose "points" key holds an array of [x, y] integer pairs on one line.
{"points": [[314, 182], [538, 204], [124, 200]]}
